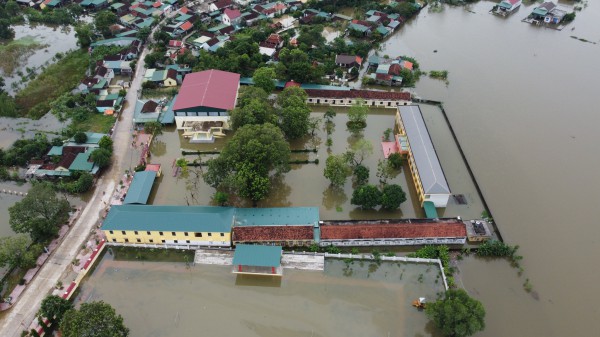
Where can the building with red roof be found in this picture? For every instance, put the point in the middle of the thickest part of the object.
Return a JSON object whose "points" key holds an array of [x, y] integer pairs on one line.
{"points": [[381, 99], [231, 16], [205, 96]]}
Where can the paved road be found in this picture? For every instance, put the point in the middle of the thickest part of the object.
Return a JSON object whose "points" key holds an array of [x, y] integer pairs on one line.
{"points": [[58, 265]]}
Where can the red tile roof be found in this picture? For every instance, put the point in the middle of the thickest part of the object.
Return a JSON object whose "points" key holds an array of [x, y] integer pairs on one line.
{"points": [[186, 26], [390, 231], [272, 233], [232, 13], [364, 94], [175, 43], [292, 84], [184, 10], [209, 88], [223, 3], [153, 167]]}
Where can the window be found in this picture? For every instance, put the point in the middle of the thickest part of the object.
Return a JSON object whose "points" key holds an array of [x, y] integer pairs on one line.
{"points": [[151, 241], [126, 240], [163, 241], [222, 234], [198, 235], [209, 234], [186, 233], [187, 241], [123, 232], [160, 233], [148, 232], [111, 232], [138, 240], [175, 241], [135, 232], [173, 233], [114, 240]]}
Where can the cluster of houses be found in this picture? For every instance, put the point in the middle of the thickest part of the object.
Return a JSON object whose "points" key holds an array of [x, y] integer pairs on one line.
{"points": [[547, 13], [64, 160], [388, 71], [376, 21]]}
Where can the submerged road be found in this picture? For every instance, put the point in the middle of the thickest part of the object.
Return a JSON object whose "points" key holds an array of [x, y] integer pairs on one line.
{"points": [[20, 316]]}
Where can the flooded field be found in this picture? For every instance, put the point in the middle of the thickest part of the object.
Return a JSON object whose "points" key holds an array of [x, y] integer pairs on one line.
{"points": [[12, 129], [305, 184], [166, 299]]}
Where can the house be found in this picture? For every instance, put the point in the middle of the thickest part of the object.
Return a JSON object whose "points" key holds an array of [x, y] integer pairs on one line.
{"points": [[508, 6], [232, 17], [168, 226], [154, 168], [250, 18], [184, 28], [94, 4], [360, 27], [381, 99], [140, 188], [50, 4], [162, 77], [206, 97], [426, 170], [348, 61], [274, 41], [393, 232], [257, 260], [270, 10], [547, 13], [175, 44], [104, 73], [220, 5]]}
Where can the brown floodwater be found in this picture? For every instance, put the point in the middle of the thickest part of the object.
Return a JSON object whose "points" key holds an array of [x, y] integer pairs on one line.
{"points": [[166, 299], [522, 100]]}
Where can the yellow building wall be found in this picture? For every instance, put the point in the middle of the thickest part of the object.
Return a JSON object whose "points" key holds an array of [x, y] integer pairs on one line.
{"points": [[155, 237], [169, 82], [411, 162]]}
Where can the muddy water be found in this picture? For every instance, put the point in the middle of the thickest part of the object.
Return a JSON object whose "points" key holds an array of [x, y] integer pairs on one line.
{"points": [[166, 299], [305, 184], [56, 39], [12, 129], [529, 128]]}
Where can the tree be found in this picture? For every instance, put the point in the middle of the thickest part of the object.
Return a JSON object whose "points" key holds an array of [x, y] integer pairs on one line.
{"points": [[143, 33], [457, 314], [359, 151], [15, 252], [54, 308], [101, 157], [249, 160], [263, 78], [153, 128], [366, 196], [80, 137], [383, 172], [295, 113], [84, 33], [103, 21], [357, 115], [336, 169], [106, 143], [253, 111], [8, 107], [40, 213], [395, 160], [392, 196], [361, 174], [6, 31], [221, 198], [94, 319]]}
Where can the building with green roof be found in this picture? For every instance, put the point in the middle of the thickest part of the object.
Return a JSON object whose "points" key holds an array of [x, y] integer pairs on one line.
{"points": [[277, 216], [82, 162], [169, 226], [257, 260], [140, 188]]}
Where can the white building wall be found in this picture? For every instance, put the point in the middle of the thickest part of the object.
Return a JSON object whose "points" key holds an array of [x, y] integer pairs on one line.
{"points": [[439, 200], [180, 120]]}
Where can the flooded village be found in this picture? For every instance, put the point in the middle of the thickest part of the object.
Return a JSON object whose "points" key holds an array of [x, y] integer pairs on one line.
{"points": [[309, 244]]}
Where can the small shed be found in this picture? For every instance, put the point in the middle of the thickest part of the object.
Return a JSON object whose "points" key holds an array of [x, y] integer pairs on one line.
{"points": [[140, 188], [257, 260]]}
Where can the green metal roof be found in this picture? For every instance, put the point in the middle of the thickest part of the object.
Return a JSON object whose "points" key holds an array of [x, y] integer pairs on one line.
{"points": [[256, 255], [169, 218], [430, 210], [55, 151], [140, 188], [540, 11], [81, 162], [277, 216]]}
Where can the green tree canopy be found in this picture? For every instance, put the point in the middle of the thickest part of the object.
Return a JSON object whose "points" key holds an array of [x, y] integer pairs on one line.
{"points": [[80, 137], [106, 143], [40, 213], [361, 174], [357, 115], [101, 157], [143, 33], [254, 154], [457, 314], [54, 308], [84, 33], [103, 20], [252, 111], [153, 128], [336, 169], [263, 78], [94, 319], [392, 196], [295, 113], [359, 151], [366, 196], [15, 252]]}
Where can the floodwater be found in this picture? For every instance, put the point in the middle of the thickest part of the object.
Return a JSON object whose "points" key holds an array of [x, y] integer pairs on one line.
{"points": [[6, 201], [54, 38], [166, 299], [522, 100], [305, 184], [12, 129], [330, 33]]}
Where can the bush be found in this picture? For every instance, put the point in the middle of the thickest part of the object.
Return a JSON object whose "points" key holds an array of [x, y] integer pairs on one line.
{"points": [[395, 161]]}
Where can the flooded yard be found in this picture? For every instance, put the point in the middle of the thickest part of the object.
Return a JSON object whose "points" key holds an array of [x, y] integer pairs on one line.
{"points": [[305, 184], [166, 299]]}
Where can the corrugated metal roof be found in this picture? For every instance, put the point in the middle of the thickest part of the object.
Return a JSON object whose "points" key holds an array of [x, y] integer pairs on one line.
{"points": [[55, 151], [257, 255], [430, 211], [81, 162], [210, 88], [169, 218], [276, 216], [425, 157], [140, 188]]}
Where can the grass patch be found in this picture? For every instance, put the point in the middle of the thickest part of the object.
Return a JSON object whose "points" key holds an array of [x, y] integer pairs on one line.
{"points": [[153, 254], [168, 92], [97, 123], [15, 53], [439, 74], [34, 100]]}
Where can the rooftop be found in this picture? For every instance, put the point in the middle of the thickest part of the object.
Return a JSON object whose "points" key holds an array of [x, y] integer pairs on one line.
{"points": [[276, 216], [364, 94], [82, 163], [426, 160], [258, 256], [210, 88], [272, 233], [391, 230], [169, 218], [140, 188]]}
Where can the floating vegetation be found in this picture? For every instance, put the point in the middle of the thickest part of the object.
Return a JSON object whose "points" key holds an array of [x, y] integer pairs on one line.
{"points": [[582, 40]]}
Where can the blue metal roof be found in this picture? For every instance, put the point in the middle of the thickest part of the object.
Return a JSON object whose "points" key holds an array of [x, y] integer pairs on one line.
{"points": [[256, 255], [140, 188], [276, 216], [169, 218]]}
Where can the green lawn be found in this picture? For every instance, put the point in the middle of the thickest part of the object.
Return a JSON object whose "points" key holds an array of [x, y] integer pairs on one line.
{"points": [[34, 100], [97, 123]]}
